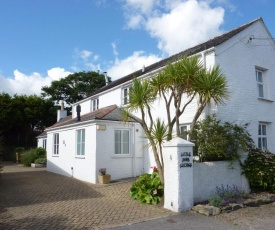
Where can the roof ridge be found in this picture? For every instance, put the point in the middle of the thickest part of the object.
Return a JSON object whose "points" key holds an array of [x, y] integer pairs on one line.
{"points": [[189, 51], [101, 111]]}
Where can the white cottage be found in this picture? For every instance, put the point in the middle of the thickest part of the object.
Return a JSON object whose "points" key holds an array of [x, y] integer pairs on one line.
{"points": [[97, 137]]}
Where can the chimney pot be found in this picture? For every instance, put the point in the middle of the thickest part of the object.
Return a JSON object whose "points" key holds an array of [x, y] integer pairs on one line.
{"points": [[78, 110]]}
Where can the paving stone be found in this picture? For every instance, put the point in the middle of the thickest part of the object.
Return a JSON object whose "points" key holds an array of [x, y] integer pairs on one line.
{"points": [[32, 198]]}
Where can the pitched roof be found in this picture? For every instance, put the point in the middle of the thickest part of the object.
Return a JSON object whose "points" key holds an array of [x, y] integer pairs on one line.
{"points": [[196, 49], [41, 135], [110, 113]]}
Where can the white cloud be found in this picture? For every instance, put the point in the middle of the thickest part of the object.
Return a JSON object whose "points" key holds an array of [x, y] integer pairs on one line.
{"points": [[57, 73], [85, 59], [136, 61], [190, 23], [85, 54], [176, 24], [144, 6], [21, 83]]}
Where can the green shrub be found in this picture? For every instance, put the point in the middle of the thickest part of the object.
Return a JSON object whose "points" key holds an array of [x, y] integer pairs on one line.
{"points": [[259, 168], [42, 161], [29, 157], [19, 150], [40, 151], [216, 141], [216, 201], [32, 155], [147, 189]]}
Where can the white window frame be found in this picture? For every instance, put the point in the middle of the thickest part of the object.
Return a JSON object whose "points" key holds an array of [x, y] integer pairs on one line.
{"points": [[263, 136], [44, 143], [56, 144], [95, 104], [80, 143], [122, 151], [260, 83], [184, 128], [125, 95]]}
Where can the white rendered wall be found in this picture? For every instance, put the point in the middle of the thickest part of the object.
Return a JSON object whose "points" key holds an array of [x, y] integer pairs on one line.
{"points": [[209, 175], [99, 152], [83, 168], [40, 142], [119, 166], [238, 58]]}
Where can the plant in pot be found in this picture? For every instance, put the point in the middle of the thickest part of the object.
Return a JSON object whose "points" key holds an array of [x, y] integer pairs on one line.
{"points": [[103, 177]]}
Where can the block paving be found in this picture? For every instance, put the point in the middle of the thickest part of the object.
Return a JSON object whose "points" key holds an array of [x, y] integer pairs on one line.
{"points": [[32, 198]]}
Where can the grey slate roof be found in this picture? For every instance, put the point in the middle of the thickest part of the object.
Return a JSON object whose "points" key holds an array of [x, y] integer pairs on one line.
{"points": [[196, 49], [42, 135], [110, 113]]}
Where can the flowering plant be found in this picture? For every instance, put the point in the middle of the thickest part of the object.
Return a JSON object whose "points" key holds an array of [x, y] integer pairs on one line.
{"points": [[155, 169], [102, 171]]}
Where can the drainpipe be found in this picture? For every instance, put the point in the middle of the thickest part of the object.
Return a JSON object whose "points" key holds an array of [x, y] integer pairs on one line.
{"points": [[134, 151]]}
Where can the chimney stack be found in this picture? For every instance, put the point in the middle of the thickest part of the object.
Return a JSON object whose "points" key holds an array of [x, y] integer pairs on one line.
{"points": [[106, 78], [78, 110], [61, 112]]}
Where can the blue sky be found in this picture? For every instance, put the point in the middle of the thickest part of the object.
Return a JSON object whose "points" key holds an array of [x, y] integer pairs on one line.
{"points": [[45, 40]]}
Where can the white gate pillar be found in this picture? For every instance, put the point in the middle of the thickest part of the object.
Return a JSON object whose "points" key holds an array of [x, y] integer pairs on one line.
{"points": [[178, 175]]}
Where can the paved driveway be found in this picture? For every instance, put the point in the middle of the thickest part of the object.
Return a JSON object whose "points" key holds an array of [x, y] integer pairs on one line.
{"points": [[36, 199]]}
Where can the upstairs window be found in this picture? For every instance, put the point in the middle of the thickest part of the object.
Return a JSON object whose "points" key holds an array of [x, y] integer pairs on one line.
{"points": [[56, 144], [262, 136], [260, 83], [95, 104], [80, 142], [125, 96]]}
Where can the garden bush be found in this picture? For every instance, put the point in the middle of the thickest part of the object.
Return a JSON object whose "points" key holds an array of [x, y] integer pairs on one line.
{"points": [[259, 168], [42, 161], [32, 155], [40, 151], [217, 141], [29, 157], [147, 189]]}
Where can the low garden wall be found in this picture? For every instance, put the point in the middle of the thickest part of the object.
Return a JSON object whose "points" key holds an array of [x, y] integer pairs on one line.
{"points": [[209, 175]]}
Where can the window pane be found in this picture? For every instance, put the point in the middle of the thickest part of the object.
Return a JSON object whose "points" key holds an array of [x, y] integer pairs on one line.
{"points": [[260, 76], [78, 136], [125, 142], [264, 143], [183, 130], [260, 130], [125, 96], [117, 142], [261, 90], [83, 148], [78, 149], [125, 148], [83, 136], [260, 143], [264, 130]]}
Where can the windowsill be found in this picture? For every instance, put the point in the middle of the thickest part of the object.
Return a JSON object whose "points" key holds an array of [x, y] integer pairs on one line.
{"points": [[121, 156], [80, 157], [264, 99], [55, 155]]}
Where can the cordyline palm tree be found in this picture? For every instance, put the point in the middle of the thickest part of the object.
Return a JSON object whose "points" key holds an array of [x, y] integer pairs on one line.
{"points": [[210, 86], [186, 77], [141, 98], [174, 81]]}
